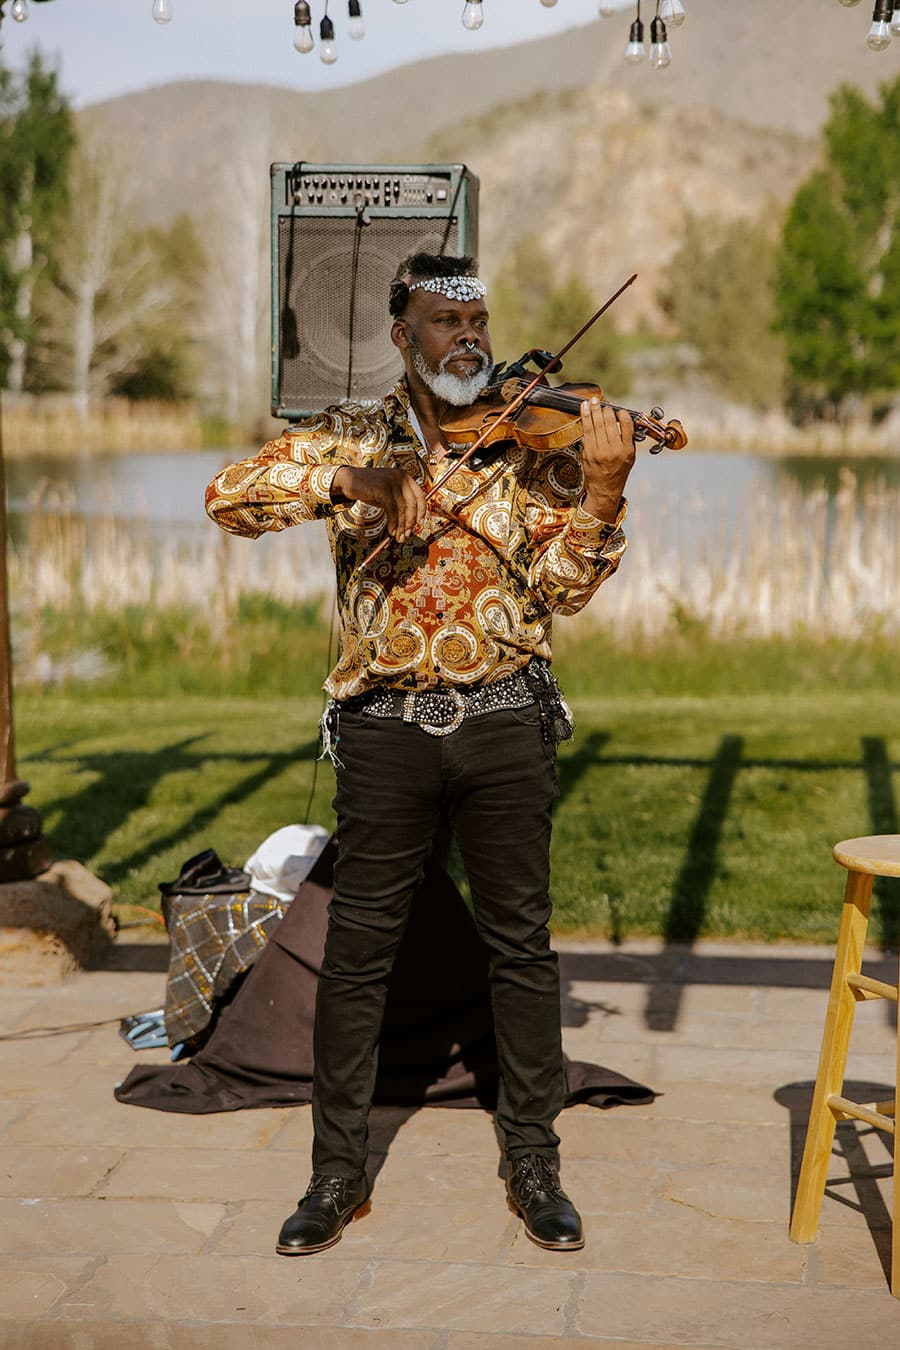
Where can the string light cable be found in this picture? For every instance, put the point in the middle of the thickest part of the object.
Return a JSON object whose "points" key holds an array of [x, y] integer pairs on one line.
{"points": [[355, 26], [327, 47], [669, 14], [635, 51]]}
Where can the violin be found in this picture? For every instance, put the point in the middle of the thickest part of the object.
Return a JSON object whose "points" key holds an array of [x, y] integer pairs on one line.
{"points": [[548, 418], [536, 399]]}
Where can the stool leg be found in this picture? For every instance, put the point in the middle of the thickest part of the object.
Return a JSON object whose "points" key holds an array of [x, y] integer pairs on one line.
{"points": [[833, 1057]]}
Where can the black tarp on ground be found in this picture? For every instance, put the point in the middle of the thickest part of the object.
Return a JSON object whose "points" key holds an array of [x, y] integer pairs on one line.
{"points": [[437, 1044]]}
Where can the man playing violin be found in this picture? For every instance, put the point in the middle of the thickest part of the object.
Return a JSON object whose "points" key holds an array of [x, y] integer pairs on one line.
{"points": [[442, 706]]}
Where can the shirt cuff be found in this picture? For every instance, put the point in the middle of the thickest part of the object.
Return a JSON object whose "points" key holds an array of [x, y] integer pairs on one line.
{"points": [[320, 479], [589, 531]]}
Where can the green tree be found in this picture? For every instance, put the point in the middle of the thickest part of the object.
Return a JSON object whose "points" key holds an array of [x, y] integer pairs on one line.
{"points": [[36, 141], [839, 260], [720, 300], [123, 293], [531, 308], [156, 357]]}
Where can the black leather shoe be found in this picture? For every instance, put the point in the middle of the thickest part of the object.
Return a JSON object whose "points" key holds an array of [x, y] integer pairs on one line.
{"points": [[330, 1203], [535, 1195]]}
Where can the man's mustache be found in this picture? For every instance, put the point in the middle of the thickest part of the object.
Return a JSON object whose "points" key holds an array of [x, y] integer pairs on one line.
{"points": [[469, 353]]}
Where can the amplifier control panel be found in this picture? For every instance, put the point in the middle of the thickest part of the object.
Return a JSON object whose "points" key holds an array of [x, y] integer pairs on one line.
{"points": [[343, 188]]}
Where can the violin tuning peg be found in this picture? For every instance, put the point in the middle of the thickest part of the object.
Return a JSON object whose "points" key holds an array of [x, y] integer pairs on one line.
{"points": [[640, 433], [657, 414]]}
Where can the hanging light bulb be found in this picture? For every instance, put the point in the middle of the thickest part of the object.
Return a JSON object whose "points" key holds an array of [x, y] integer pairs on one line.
{"points": [[399, 2], [607, 9], [879, 34], [635, 50], [473, 14], [672, 13], [895, 22], [303, 36], [356, 28], [548, 4], [19, 10], [849, 3], [162, 11], [327, 49], [660, 52]]}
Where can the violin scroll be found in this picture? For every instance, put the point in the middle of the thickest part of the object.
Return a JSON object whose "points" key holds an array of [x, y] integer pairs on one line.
{"points": [[667, 436]]}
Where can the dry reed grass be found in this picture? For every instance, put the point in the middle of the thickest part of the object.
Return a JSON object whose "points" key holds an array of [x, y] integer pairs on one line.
{"points": [[773, 433], [106, 563], [808, 563], [52, 424], [713, 422], [804, 563]]}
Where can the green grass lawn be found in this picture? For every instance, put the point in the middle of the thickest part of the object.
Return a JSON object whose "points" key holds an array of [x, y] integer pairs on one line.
{"points": [[678, 816]]}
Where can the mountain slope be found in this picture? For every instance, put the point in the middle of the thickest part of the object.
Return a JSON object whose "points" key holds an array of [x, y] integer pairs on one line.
{"points": [[763, 61]]}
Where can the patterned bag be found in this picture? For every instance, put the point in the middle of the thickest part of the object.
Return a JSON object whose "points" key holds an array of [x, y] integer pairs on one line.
{"points": [[217, 926]]}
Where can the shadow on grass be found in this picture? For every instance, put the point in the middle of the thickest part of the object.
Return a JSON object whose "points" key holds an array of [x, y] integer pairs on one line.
{"points": [[124, 781], [691, 887], [690, 893], [581, 761]]}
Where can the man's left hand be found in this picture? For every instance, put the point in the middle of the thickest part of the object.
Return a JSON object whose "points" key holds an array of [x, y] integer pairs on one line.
{"points": [[607, 456]]}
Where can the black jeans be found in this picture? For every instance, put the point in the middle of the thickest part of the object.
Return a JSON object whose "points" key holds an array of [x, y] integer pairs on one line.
{"points": [[494, 778]]}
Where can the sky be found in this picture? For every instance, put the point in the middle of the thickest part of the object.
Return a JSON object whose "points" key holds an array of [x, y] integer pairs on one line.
{"points": [[110, 47]]}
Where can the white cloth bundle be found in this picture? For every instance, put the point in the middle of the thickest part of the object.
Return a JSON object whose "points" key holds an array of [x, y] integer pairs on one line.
{"points": [[285, 859]]}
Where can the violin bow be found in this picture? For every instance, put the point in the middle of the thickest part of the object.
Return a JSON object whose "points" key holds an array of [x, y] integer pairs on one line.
{"points": [[510, 407]]}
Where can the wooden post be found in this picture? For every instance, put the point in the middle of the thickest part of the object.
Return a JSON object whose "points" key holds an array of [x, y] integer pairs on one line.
{"points": [[24, 852], [895, 1216], [7, 734]]}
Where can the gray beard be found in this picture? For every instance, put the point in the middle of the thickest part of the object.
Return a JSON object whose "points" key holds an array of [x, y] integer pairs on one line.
{"points": [[453, 389]]}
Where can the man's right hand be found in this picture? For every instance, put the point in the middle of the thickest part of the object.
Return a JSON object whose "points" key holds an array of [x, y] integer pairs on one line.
{"points": [[394, 491]]}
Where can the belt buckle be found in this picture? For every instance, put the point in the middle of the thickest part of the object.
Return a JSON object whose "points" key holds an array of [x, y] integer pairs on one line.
{"points": [[409, 713]]}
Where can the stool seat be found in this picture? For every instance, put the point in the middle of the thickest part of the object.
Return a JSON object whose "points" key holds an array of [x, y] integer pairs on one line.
{"points": [[874, 855], [877, 854]]}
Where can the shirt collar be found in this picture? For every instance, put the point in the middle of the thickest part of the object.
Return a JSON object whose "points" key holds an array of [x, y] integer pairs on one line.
{"points": [[396, 403], [396, 408]]}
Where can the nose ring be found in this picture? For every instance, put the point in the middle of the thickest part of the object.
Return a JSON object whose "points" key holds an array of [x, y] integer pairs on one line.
{"points": [[470, 345]]}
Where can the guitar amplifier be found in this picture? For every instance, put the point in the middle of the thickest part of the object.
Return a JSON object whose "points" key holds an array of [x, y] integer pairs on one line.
{"points": [[339, 232]]}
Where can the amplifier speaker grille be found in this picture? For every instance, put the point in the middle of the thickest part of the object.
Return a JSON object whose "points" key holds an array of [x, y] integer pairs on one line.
{"points": [[424, 208], [315, 271]]}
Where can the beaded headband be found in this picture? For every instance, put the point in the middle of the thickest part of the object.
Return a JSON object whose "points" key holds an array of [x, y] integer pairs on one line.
{"points": [[455, 288]]}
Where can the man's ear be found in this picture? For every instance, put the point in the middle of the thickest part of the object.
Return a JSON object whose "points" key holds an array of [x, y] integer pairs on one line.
{"points": [[400, 335]]}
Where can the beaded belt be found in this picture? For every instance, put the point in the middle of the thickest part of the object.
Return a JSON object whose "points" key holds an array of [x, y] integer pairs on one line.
{"points": [[440, 711]]}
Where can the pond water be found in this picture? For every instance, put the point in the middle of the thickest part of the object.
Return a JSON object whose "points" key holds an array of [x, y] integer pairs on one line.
{"points": [[707, 494]]}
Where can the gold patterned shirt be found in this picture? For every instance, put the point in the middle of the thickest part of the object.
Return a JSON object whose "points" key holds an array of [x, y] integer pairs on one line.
{"points": [[471, 598]]}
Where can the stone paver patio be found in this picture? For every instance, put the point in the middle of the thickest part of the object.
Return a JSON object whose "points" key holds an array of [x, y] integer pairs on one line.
{"points": [[131, 1228]]}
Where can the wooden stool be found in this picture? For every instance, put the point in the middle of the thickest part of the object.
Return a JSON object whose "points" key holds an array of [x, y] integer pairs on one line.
{"points": [[873, 856]]}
